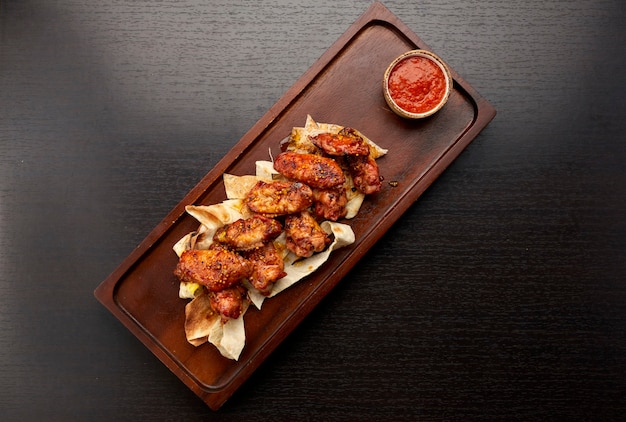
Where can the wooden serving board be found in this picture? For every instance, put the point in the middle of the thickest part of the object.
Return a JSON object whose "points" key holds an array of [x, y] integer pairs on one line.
{"points": [[343, 87]]}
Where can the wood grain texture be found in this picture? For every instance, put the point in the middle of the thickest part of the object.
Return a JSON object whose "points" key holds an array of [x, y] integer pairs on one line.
{"points": [[498, 295], [344, 85]]}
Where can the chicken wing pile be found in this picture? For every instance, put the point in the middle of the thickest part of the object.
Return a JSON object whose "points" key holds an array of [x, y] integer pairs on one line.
{"points": [[240, 250], [312, 181]]}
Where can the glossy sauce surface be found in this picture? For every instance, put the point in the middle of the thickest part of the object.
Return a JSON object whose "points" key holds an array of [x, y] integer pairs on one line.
{"points": [[417, 84]]}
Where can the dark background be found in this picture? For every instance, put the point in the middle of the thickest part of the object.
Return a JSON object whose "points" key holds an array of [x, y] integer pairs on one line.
{"points": [[500, 294]]}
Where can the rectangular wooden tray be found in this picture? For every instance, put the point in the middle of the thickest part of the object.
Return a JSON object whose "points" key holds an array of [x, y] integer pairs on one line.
{"points": [[344, 87]]}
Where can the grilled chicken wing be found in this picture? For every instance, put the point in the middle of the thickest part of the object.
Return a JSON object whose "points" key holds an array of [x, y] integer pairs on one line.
{"points": [[249, 233], [268, 267], [314, 170], [365, 174], [217, 268], [304, 234], [229, 302], [273, 199], [346, 142], [330, 204]]}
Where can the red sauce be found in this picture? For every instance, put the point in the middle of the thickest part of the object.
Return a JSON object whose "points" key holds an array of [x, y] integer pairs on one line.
{"points": [[417, 84]]}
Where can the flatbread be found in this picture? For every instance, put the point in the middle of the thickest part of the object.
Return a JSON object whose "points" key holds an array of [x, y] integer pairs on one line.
{"points": [[202, 324]]}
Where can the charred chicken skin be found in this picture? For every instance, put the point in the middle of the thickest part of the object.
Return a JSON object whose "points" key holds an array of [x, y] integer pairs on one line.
{"points": [[330, 204], [304, 234], [274, 199], [314, 170], [229, 302], [216, 268], [343, 143], [365, 174], [268, 267], [249, 233]]}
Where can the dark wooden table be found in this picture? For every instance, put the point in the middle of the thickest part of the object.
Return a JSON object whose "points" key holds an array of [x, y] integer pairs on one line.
{"points": [[499, 294]]}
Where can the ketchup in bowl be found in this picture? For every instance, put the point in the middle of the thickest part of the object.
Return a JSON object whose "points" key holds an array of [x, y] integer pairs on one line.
{"points": [[417, 84]]}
